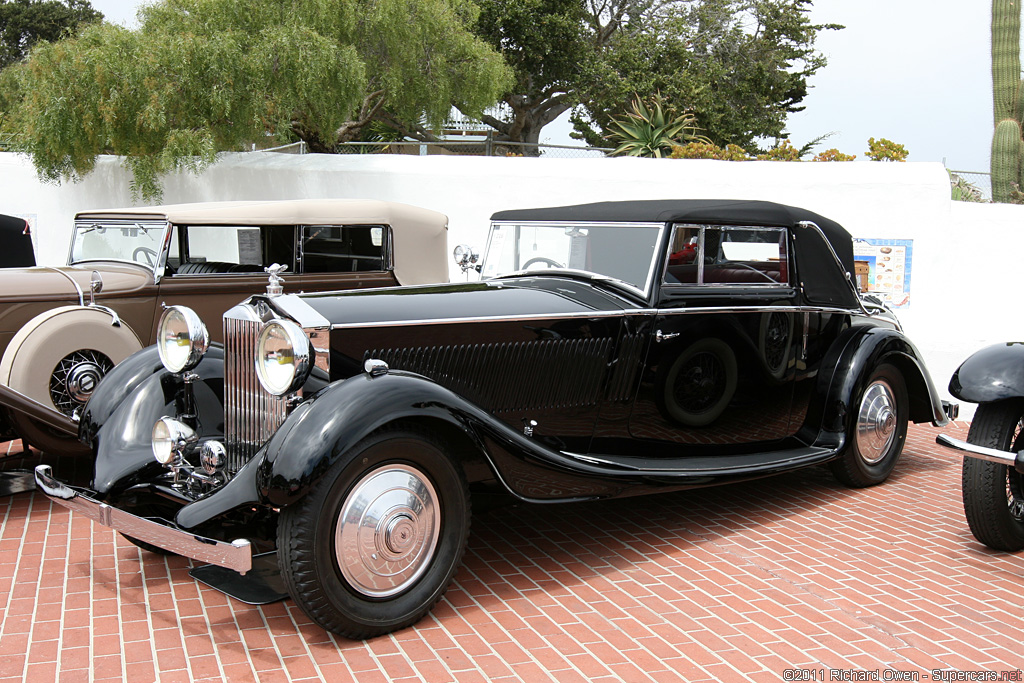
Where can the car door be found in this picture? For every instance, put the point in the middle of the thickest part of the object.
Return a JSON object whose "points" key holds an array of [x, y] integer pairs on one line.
{"points": [[722, 348]]}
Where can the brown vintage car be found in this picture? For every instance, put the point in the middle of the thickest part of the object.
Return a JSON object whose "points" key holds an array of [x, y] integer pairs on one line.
{"points": [[63, 328]]}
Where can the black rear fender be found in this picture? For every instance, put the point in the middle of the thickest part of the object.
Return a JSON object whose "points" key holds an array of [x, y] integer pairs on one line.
{"points": [[856, 353]]}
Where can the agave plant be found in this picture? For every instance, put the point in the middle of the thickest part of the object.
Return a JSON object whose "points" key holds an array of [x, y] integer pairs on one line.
{"points": [[651, 130]]}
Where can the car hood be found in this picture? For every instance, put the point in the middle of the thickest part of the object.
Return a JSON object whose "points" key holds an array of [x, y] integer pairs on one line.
{"points": [[547, 296], [51, 283]]}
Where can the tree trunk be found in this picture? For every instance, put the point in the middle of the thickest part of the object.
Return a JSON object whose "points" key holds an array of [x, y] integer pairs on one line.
{"points": [[527, 121]]}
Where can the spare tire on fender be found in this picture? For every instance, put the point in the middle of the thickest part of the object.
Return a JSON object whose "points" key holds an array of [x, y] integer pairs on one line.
{"points": [[58, 357]]}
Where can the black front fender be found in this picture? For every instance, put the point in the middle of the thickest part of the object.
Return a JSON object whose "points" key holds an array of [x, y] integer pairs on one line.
{"points": [[119, 417], [326, 427], [994, 373]]}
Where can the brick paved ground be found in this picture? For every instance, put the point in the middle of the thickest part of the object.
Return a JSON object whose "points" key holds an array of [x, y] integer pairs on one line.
{"points": [[734, 583]]}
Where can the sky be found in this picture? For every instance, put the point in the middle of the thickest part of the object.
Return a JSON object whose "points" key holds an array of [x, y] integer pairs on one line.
{"points": [[916, 72]]}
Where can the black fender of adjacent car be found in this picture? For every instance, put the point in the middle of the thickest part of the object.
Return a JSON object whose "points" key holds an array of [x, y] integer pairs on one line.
{"points": [[994, 373]]}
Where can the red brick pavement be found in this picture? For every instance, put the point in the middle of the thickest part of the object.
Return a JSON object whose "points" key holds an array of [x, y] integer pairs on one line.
{"points": [[734, 583]]}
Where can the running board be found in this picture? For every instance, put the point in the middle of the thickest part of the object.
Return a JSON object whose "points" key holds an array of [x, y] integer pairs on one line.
{"points": [[755, 464]]}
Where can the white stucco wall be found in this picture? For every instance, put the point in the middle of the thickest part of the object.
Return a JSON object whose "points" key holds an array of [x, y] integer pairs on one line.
{"points": [[964, 268]]}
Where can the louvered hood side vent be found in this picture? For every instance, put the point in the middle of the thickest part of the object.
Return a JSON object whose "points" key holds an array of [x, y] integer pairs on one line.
{"points": [[512, 376]]}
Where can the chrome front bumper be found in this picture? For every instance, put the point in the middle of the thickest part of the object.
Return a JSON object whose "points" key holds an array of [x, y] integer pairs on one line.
{"points": [[236, 555], [1014, 460]]}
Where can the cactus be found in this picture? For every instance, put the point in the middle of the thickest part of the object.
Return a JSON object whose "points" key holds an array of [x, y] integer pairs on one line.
{"points": [[1007, 100]]}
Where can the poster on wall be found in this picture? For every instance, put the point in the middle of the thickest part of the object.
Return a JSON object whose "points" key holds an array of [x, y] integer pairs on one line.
{"points": [[882, 268]]}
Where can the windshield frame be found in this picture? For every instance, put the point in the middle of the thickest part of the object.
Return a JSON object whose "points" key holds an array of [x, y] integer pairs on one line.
{"points": [[643, 292], [164, 226]]}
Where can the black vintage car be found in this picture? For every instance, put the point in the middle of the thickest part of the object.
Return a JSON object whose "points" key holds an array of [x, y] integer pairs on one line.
{"points": [[993, 467], [16, 250], [610, 349]]}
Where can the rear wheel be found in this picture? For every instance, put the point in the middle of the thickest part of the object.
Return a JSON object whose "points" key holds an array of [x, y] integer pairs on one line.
{"points": [[376, 542], [879, 431], [994, 493]]}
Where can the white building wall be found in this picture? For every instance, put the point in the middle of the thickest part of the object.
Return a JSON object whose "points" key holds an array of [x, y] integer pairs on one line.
{"points": [[965, 256]]}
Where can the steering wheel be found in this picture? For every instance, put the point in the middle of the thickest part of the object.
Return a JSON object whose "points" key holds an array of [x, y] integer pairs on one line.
{"points": [[542, 259], [148, 256]]}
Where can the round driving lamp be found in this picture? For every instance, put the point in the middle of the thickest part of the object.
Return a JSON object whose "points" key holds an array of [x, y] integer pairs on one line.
{"points": [[170, 439], [284, 357], [181, 339]]}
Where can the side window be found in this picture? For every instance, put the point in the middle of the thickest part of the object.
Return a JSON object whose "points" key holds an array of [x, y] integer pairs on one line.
{"points": [[710, 254], [343, 248], [684, 255], [173, 251], [212, 249]]}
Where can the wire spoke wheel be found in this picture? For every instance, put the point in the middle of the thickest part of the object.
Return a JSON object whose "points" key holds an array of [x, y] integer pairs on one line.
{"points": [[75, 378]]}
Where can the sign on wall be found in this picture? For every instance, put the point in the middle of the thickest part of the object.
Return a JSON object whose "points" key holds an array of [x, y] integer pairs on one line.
{"points": [[882, 268]]}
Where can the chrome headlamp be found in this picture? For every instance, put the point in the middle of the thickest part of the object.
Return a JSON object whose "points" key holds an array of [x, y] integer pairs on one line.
{"points": [[172, 439], [181, 339], [284, 357]]}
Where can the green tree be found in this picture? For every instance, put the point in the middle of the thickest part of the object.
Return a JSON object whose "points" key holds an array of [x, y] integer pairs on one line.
{"points": [[23, 23], [203, 76], [741, 66]]}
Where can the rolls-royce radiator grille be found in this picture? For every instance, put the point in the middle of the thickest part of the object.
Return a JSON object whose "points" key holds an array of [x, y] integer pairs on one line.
{"points": [[251, 414]]}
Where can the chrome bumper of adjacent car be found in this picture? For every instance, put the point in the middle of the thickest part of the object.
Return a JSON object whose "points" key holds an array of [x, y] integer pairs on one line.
{"points": [[1015, 460], [236, 555]]}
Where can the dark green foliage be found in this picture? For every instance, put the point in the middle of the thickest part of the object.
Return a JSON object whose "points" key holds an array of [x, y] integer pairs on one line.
{"points": [[741, 66], [23, 23]]}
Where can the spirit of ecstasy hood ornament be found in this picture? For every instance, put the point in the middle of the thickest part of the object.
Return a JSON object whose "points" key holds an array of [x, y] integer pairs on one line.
{"points": [[275, 287]]}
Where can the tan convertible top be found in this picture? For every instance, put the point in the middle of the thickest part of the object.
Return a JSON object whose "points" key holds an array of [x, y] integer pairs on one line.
{"points": [[420, 235]]}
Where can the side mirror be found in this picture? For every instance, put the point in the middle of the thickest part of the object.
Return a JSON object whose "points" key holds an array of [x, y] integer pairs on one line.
{"points": [[95, 286], [466, 258]]}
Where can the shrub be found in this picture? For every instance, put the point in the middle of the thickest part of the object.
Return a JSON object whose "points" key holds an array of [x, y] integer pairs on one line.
{"points": [[885, 150]]}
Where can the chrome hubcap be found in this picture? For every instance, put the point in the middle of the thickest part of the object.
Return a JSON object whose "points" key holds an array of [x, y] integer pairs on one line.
{"points": [[387, 531], [75, 378], [876, 422]]}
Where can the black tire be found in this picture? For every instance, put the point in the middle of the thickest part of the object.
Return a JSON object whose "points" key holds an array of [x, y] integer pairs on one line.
{"points": [[870, 456], [994, 493], [355, 600], [700, 383]]}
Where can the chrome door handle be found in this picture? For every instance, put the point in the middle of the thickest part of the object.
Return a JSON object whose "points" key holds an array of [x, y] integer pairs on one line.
{"points": [[660, 336]]}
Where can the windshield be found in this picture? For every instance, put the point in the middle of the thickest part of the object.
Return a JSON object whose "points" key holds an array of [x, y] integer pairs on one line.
{"points": [[622, 251], [117, 241]]}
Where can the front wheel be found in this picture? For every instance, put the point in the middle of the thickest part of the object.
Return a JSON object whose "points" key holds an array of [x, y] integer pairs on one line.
{"points": [[994, 493], [879, 430], [376, 542]]}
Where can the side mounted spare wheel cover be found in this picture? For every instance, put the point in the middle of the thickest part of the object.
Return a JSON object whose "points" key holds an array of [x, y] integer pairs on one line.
{"points": [[59, 356]]}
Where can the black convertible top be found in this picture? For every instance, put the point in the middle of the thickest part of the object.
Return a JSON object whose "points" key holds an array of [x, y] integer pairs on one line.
{"points": [[822, 281], [15, 243]]}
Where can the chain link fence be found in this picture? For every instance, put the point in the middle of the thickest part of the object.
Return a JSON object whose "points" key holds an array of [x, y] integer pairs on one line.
{"points": [[478, 147], [982, 182]]}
